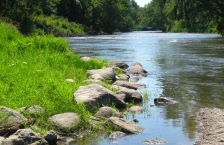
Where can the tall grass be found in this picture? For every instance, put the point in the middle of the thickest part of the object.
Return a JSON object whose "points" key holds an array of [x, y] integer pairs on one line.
{"points": [[33, 71]]}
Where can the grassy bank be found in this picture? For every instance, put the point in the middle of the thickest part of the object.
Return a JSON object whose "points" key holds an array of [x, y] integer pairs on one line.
{"points": [[34, 70]]}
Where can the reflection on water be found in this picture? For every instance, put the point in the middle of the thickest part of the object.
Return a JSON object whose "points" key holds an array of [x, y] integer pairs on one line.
{"points": [[186, 67]]}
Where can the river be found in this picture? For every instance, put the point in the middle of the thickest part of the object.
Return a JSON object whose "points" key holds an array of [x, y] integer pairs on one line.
{"points": [[186, 67]]}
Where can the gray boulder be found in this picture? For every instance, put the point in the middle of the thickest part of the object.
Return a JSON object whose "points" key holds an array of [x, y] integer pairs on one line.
{"points": [[136, 109], [137, 69], [65, 121], [95, 95], [23, 137], [125, 125], [102, 74], [9, 116], [107, 112], [119, 64], [130, 94], [130, 85]]}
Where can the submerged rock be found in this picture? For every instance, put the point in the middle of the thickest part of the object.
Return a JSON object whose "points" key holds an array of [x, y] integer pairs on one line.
{"points": [[153, 142], [117, 134], [163, 101]]}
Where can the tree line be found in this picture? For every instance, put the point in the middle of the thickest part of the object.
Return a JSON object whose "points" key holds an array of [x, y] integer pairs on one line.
{"points": [[120, 15], [184, 15], [95, 15]]}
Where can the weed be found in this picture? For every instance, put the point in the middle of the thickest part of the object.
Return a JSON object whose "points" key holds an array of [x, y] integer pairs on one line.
{"points": [[145, 95]]}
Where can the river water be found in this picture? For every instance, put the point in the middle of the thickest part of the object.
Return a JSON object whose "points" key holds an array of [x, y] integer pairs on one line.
{"points": [[186, 67]]}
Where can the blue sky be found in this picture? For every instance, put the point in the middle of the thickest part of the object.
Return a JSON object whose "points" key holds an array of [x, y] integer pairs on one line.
{"points": [[141, 3]]}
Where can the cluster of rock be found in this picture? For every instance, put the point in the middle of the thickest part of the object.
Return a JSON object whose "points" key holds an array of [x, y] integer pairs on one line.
{"points": [[13, 133], [125, 90], [125, 87], [96, 94]]}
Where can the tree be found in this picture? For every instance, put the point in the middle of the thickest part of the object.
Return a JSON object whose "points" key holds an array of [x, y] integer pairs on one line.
{"points": [[21, 11]]}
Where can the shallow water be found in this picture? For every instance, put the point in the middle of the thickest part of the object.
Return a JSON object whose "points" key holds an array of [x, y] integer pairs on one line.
{"points": [[188, 68]]}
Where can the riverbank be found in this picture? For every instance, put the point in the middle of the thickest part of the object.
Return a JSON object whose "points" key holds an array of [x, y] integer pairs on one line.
{"points": [[34, 71], [211, 130]]}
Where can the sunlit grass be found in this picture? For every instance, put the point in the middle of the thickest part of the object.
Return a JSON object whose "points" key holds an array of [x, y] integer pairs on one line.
{"points": [[34, 72]]}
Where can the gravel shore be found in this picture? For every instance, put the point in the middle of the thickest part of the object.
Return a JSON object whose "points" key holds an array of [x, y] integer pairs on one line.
{"points": [[211, 130]]}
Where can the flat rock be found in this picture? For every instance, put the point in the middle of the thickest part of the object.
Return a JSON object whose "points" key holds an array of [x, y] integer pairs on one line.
{"points": [[10, 116], [96, 95], [102, 74], [65, 121], [130, 85], [126, 126]]}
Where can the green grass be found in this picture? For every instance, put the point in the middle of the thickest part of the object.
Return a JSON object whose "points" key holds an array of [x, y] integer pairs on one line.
{"points": [[34, 72]]}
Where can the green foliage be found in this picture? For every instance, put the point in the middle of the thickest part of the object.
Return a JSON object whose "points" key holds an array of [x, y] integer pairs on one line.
{"points": [[183, 16], [97, 16], [57, 26], [34, 72]]}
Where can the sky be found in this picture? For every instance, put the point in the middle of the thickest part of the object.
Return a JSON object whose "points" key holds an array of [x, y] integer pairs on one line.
{"points": [[141, 3]]}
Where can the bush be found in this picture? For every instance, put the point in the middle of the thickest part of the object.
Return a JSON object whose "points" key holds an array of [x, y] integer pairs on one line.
{"points": [[57, 26]]}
